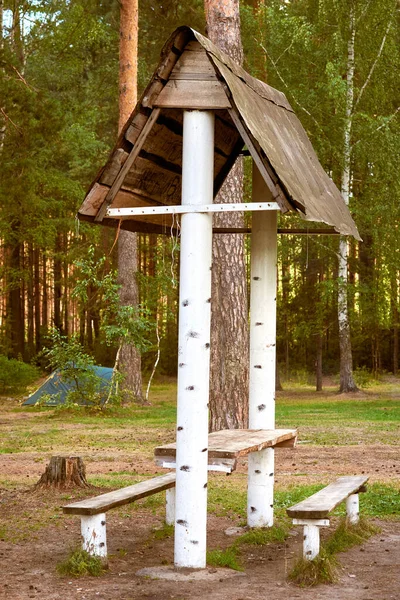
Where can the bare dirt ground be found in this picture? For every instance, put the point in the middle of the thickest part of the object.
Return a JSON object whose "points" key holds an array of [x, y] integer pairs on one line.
{"points": [[28, 562]]}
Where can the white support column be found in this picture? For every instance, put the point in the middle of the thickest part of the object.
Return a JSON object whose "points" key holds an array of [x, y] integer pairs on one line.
{"points": [[194, 342], [310, 541], [353, 509], [170, 506], [94, 537], [260, 494]]}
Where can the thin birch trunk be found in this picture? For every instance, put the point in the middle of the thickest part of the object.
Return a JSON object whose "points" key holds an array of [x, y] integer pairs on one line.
{"points": [[347, 383]]}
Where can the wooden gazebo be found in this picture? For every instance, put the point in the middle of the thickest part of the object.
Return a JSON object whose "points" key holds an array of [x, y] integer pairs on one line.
{"points": [[196, 115]]}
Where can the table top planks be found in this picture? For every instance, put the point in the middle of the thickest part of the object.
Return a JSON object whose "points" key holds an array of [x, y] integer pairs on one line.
{"points": [[234, 443], [319, 505]]}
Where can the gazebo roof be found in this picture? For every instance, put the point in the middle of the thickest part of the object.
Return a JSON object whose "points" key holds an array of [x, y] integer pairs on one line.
{"points": [[145, 167]]}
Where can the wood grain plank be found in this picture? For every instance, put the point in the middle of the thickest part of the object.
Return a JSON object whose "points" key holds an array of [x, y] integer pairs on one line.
{"points": [[234, 443], [319, 505], [104, 502], [127, 165], [202, 95]]}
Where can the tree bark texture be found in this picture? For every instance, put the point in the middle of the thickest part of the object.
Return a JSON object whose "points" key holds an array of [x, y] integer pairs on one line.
{"points": [[347, 383], [229, 369], [130, 360], [64, 472]]}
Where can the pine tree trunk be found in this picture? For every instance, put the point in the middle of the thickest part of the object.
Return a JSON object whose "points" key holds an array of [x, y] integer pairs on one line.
{"points": [[45, 308], [37, 300], [229, 376], [30, 301], [64, 472], [130, 359], [57, 285]]}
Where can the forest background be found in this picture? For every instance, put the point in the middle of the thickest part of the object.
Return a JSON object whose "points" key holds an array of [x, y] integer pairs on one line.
{"points": [[58, 122]]}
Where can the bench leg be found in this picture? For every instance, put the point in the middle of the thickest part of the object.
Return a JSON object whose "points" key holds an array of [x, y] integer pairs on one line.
{"points": [[353, 509], [170, 506], [310, 542], [260, 489], [93, 529]]}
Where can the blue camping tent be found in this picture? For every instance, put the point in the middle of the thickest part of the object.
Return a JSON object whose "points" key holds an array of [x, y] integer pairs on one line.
{"points": [[57, 389]]}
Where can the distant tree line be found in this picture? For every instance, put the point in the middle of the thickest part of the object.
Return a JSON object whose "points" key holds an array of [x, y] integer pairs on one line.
{"points": [[58, 121]]}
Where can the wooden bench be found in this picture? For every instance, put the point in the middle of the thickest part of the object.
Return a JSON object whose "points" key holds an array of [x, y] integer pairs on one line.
{"points": [[313, 512], [93, 510]]}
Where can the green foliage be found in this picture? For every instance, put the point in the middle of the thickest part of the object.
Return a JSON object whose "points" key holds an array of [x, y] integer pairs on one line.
{"points": [[363, 377], [224, 558], [98, 291], [81, 563], [77, 368], [15, 375]]}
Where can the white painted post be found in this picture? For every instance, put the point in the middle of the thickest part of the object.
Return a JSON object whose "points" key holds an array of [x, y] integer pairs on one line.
{"points": [[353, 509], [260, 493], [94, 537], [194, 342], [310, 542], [170, 506]]}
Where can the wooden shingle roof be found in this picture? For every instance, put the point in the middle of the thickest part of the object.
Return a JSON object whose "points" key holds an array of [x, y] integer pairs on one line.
{"points": [[145, 166]]}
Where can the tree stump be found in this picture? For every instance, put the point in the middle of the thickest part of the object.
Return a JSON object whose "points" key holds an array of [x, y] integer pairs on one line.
{"points": [[64, 472]]}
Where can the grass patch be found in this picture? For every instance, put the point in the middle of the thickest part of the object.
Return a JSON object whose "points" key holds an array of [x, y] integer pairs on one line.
{"points": [[346, 536], [323, 569], [262, 536], [80, 563], [164, 532], [308, 573], [224, 558]]}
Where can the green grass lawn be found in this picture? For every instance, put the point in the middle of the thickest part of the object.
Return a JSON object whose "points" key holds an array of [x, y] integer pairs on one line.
{"points": [[322, 419]]}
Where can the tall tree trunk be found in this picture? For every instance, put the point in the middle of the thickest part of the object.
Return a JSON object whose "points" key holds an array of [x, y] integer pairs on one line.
{"points": [[45, 305], [57, 284], [15, 323], [129, 358], [30, 301], [395, 321], [229, 319], [347, 383], [36, 293]]}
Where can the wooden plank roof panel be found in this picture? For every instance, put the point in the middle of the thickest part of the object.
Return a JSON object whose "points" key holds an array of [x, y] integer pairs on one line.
{"points": [[190, 66]]}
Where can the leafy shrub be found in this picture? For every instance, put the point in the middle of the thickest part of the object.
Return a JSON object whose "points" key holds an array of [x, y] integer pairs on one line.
{"points": [[363, 377], [15, 375], [77, 368]]}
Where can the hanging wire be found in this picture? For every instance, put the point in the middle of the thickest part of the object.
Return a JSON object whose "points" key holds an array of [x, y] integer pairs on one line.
{"points": [[116, 236], [174, 239]]}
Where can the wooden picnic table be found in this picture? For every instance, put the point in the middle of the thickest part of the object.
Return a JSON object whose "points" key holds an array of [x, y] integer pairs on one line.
{"points": [[227, 445]]}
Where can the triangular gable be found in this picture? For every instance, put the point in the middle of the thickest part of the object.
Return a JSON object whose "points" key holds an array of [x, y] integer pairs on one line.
{"points": [[145, 166]]}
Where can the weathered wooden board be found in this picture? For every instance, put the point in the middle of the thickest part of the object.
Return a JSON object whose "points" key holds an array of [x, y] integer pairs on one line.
{"points": [[99, 504], [127, 165], [234, 443], [194, 64], [323, 502], [200, 95]]}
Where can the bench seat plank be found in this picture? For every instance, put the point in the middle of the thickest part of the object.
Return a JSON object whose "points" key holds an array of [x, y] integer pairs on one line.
{"points": [[104, 502], [323, 502]]}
